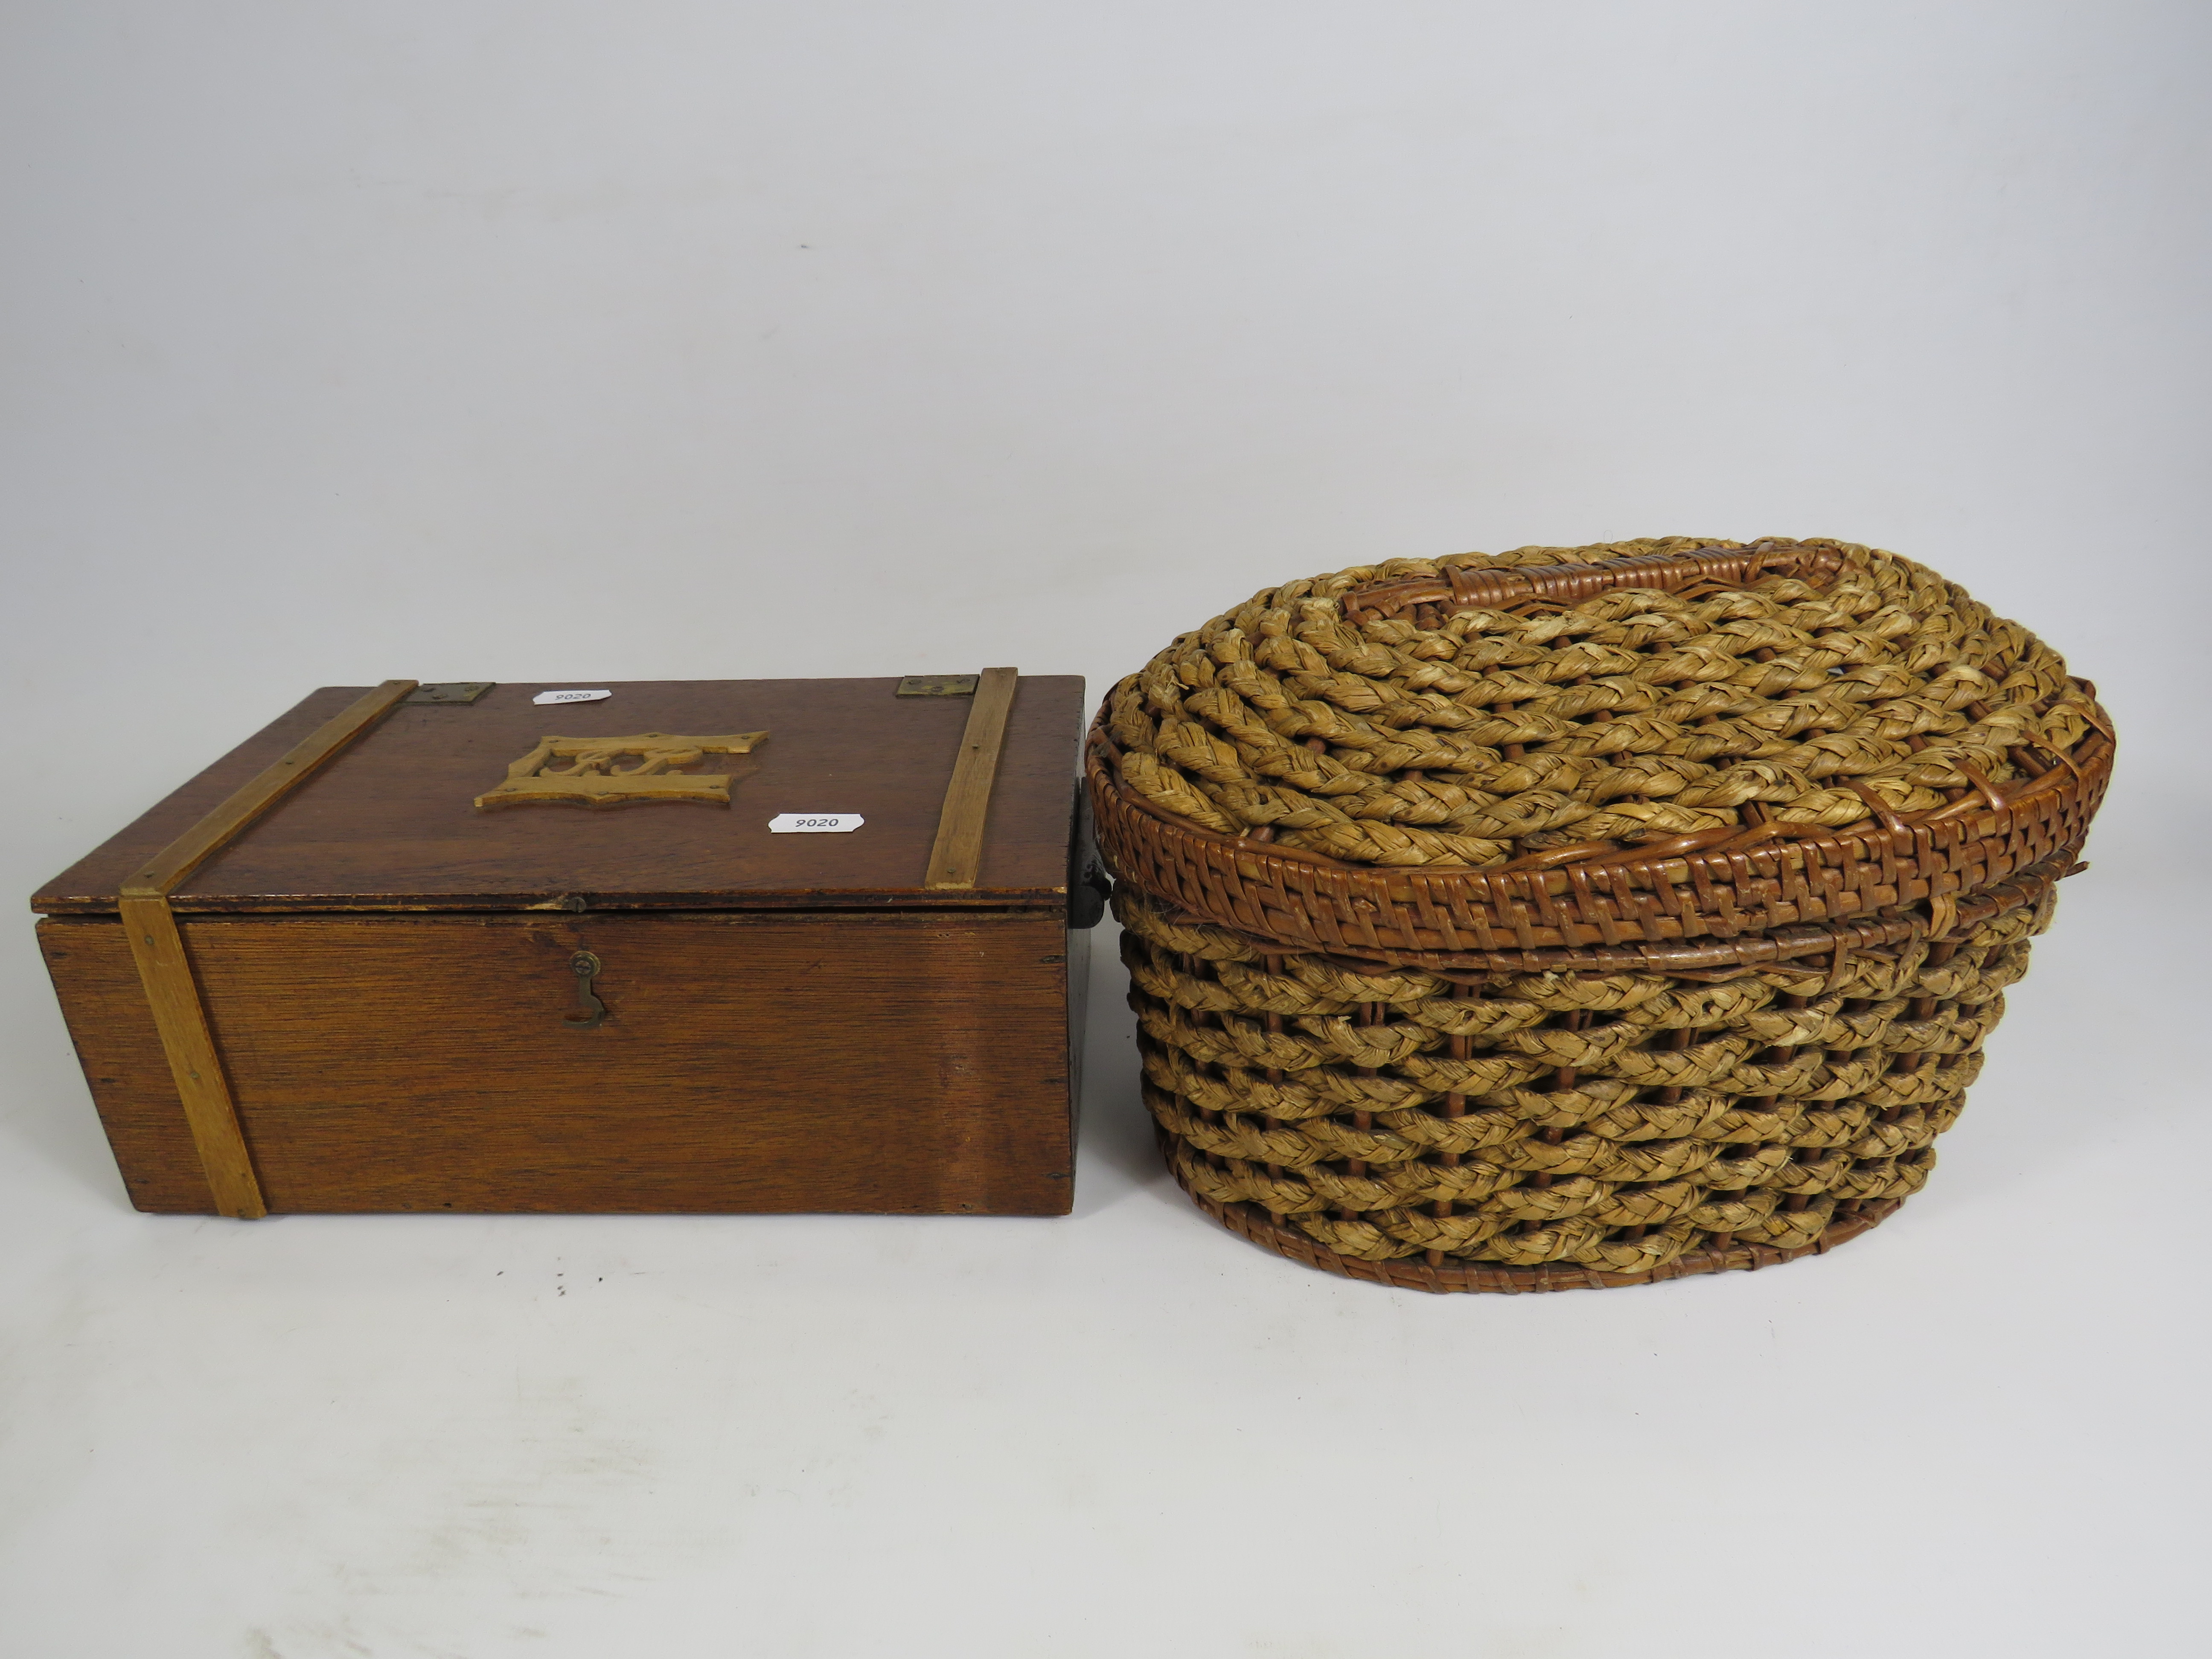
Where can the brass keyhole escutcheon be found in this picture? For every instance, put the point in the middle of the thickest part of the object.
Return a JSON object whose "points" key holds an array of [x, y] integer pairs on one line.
{"points": [[585, 967]]}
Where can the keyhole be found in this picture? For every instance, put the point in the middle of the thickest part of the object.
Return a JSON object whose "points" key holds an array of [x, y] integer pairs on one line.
{"points": [[585, 967]]}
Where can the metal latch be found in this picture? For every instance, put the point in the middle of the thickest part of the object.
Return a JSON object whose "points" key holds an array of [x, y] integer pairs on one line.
{"points": [[450, 691]]}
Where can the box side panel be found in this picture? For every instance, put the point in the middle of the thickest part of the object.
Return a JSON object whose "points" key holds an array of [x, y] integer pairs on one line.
{"points": [[748, 1062], [1079, 1006], [109, 1022]]}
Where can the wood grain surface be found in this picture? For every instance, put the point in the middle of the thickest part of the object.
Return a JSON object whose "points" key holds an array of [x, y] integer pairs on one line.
{"points": [[164, 870], [391, 825], [905, 1063]]}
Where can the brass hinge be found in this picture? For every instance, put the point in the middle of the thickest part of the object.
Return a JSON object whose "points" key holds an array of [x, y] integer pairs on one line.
{"points": [[938, 685], [450, 691]]}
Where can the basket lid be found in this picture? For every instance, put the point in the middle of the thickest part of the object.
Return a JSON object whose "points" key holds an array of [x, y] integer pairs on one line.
{"points": [[1587, 714]]}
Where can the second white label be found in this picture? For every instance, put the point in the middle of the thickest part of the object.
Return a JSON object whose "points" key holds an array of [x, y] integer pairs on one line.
{"points": [[815, 824]]}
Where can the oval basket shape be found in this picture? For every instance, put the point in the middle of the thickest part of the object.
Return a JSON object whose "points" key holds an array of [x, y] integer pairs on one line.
{"points": [[1583, 916]]}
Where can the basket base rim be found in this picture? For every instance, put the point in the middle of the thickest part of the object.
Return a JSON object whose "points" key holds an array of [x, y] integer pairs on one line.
{"points": [[1258, 1226]]}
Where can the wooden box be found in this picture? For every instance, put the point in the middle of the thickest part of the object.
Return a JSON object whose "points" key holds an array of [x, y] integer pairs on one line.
{"points": [[323, 977]]}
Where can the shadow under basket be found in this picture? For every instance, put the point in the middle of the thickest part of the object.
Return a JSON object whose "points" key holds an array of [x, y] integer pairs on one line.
{"points": [[1597, 1064]]}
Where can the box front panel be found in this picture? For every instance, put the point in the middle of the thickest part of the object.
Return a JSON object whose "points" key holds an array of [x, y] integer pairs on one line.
{"points": [[896, 1063]]}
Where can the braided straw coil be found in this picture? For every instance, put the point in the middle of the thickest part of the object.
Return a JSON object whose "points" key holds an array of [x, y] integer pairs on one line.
{"points": [[1497, 925]]}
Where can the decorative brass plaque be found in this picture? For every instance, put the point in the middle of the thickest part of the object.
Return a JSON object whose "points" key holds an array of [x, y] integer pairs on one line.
{"points": [[450, 691], [591, 779], [938, 685]]}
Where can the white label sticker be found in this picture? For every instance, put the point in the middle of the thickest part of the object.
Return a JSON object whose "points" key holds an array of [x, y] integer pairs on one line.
{"points": [[815, 824], [570, 697]]}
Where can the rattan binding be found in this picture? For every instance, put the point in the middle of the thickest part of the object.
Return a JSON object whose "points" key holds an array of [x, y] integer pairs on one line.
{"points": [[1460, 587]]}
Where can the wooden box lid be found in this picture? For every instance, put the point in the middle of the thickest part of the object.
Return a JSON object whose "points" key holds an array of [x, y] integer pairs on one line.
{"points": [[391, 824]]}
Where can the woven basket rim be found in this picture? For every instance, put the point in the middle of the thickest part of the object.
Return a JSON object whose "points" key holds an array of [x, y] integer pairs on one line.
{"points": [[1727, 960], [1960, 835]]}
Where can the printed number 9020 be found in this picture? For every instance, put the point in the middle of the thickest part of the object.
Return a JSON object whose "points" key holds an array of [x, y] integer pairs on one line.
{"points": [[801, 824]]}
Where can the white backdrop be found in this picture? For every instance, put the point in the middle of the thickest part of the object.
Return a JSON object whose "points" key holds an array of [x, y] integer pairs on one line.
{"points": [[486, 339]]}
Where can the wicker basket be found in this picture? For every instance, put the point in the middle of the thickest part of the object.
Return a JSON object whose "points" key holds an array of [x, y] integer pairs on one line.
{"points": [[1712, 1020]]}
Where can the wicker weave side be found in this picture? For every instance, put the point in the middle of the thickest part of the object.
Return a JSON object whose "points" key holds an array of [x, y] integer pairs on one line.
{"points": [[1603, 1130], [1249, 1221]]}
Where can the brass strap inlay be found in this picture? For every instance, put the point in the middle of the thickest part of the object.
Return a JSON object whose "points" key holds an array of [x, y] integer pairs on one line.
{"points": [[958, 853], [167, 973], [165, 970]]}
